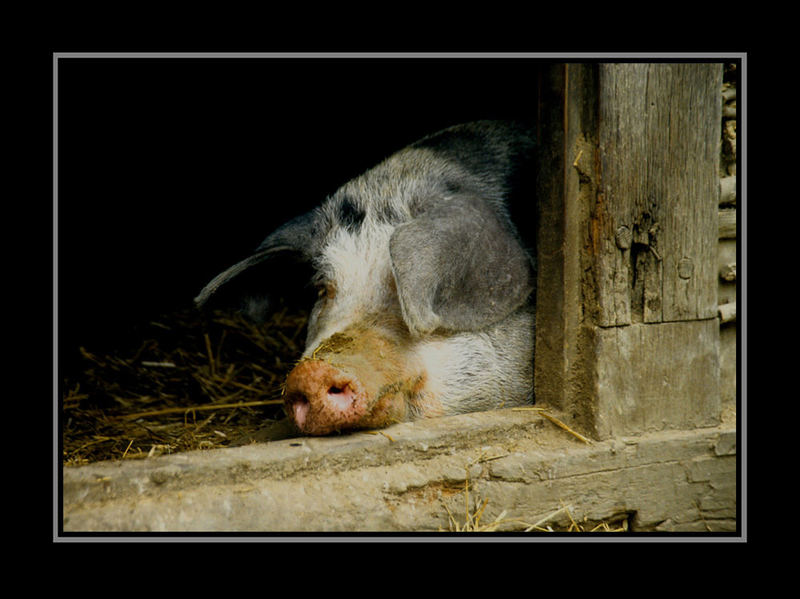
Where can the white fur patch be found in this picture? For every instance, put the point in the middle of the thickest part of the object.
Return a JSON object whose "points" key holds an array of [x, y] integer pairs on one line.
{"points": [[479, 371], [459, 369], [357, 266]]}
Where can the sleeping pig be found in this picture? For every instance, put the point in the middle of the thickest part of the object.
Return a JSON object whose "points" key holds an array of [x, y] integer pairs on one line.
{"points": [[425, 287]]}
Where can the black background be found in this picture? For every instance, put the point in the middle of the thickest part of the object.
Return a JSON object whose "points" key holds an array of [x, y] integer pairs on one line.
{"points": [[171, 169]]}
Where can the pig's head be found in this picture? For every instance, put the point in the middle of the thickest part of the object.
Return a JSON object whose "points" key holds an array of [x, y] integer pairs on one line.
{"points": [[395, 280]]}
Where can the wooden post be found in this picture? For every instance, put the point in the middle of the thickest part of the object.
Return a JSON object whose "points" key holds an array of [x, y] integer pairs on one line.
{"points": [[627, 340]]}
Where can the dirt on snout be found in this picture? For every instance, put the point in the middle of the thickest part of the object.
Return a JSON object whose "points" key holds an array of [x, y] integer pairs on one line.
{"points": [[189, 381]]}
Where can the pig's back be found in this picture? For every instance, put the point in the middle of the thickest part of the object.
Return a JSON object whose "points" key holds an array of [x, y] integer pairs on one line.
{"points": [[489, 159]]}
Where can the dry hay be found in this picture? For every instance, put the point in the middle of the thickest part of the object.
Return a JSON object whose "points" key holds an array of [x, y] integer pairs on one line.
{"points": [[193, 381], [560, 520], [552, 522]]}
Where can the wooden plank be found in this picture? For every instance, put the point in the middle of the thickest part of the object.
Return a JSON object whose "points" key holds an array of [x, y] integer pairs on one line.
{"points": [[622, 134], [656, 376], [627, 331], [566, 190], [549, 372], [727, 224], [691, 174], [727, 191], [727, 312], [659, 147], [516, 462]]}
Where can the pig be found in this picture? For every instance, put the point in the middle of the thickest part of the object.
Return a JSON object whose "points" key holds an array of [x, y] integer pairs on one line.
{"points": [[425, 286]]}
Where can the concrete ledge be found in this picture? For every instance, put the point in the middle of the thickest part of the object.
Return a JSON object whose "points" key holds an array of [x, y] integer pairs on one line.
{"points": [[407, 477]]}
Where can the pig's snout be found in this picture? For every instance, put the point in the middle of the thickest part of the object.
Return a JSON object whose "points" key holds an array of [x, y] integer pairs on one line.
{"points": [[321, 399]]}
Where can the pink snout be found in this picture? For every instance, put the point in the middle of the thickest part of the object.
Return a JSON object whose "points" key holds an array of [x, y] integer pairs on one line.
{"points": [[322, 399]]}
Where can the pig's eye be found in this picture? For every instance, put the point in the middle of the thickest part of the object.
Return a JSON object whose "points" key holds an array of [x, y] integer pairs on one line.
{"points": [[327, 291]]}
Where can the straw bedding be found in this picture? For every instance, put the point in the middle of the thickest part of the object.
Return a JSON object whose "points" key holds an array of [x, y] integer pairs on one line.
{"points": [[189, 381]]}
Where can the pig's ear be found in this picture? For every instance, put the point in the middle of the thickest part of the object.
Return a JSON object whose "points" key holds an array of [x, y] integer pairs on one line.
{"points": [[459, 266], [280, 267]]}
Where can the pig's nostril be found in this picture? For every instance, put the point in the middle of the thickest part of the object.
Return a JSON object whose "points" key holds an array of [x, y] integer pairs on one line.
{"points": [[341, 397], [299, 406]]}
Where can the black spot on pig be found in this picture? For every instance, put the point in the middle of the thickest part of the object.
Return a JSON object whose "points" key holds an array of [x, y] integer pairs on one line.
{"points": [[350, 214]]}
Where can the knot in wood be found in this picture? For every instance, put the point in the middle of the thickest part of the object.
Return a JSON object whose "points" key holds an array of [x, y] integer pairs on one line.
{"points": [[685, 268]]}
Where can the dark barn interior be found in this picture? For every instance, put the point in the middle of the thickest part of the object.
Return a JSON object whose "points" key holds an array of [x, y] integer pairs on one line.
{"points": [[171, 169]]}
